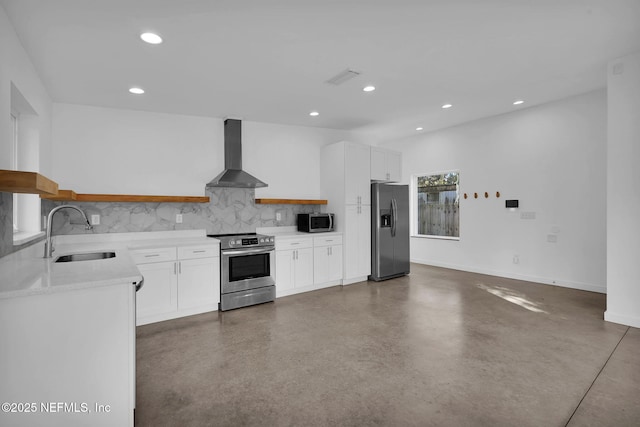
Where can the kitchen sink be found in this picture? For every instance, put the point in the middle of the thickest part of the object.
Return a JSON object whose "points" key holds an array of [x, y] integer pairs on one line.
{"points": [[85, 257]]}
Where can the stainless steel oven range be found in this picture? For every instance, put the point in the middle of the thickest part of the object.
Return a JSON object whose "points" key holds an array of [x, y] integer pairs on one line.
{"points": [[247, 263]]}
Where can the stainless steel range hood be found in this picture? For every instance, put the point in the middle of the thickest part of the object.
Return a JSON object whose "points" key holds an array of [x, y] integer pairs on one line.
{"points": [[233, 175]]}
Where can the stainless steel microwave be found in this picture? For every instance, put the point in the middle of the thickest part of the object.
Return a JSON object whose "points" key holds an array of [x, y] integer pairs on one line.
{"points": [[316, 222]]}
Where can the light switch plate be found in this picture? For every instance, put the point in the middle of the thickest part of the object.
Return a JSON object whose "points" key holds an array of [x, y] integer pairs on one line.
{"points": [[178, 218], [95, 219]]}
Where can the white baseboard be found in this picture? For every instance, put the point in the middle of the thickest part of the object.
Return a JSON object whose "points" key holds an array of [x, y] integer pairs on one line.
{"points": [[621, 319], [287, 292], [145, 320], [353, 280], [546, 281]]}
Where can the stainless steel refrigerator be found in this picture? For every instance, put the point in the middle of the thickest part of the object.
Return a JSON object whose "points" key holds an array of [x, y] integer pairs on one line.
{"points": [[389, 231]]}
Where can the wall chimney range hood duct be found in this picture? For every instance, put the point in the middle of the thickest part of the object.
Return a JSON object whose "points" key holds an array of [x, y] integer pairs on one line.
{"points": [[233, 175]]}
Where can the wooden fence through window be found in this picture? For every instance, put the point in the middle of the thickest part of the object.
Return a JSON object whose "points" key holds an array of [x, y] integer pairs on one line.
{"points": [[438, 213]]}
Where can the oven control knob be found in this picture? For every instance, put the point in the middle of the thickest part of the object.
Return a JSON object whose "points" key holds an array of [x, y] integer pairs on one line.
{"points": [[271, 239], [261, 240], [232, 242]]}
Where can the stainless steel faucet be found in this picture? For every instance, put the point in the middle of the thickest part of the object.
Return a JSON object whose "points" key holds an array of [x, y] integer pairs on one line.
{"points": [[48, 245]]}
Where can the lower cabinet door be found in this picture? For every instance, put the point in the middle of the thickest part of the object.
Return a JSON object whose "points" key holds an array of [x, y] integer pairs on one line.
{"points": [[327, 264], [304, 267], [159, 293], [199, 282], [335, 263], [321, 265], [284, 270]]}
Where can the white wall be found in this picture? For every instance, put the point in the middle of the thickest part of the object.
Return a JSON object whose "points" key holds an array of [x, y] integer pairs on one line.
{"points": [[623, 192], [105, 150], [286, 157], [552, 158], [16, 68]]}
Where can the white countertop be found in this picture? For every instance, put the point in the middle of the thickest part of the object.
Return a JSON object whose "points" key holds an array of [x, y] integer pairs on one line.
{"points": [[38, 275], [284, 232], [28, 273]]}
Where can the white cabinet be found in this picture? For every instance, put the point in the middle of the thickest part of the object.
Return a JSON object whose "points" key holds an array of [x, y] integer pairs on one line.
{"points": [[357, 245], [159, 294], [327, 259], [346, 184], [294, 264], [76, 347], [178, 281], [386, 165], [197, 279], [357, 172]]}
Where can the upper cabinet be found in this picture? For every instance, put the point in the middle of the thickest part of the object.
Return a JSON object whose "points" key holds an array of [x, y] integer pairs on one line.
{"points": [[386, 165], [357, 171]]}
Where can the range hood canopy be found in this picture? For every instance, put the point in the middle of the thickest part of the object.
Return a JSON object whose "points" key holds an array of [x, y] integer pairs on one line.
{"points": [[233, 175]]}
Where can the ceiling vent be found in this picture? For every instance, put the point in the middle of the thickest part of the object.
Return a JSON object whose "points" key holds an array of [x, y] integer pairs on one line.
{"points": [[342, 77]]}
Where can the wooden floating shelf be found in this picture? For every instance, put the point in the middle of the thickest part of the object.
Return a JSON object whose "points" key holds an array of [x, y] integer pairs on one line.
{"points": [[290, 202], [62, 195], [127, 198], [135, 198], [26, 182]]}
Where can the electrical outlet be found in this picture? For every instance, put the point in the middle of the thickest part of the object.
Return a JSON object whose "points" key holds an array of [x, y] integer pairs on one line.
{"points": [[95, 219], [178, 218], [528, 215], [278, 216], [516, 259]]}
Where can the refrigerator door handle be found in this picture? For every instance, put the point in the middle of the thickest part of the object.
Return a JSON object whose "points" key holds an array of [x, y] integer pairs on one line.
{"points": [[394, 215]]}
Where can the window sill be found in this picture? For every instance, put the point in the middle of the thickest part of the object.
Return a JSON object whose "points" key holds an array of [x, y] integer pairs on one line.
{"points": [[22, 237], [422, 236]]}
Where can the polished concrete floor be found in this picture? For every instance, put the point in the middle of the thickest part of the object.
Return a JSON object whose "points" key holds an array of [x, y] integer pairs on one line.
{"points": [[436, 348]]}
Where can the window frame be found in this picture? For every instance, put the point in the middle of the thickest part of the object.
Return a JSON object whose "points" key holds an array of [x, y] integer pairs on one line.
{"points": [[25, 147], [14, 165], [414, 206]]}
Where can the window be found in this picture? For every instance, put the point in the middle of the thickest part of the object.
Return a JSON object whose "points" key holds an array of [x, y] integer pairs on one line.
{"points": [[437, 205], [25, 148]]}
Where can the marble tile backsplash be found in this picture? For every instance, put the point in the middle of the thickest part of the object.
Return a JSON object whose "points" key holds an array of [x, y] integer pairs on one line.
{"points": [[230, 210], [6, 223]]}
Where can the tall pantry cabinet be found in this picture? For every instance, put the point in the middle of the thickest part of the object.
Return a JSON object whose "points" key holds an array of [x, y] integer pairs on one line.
{"points": [[345, 183]]}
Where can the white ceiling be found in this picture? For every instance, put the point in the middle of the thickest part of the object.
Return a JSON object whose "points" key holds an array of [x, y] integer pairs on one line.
{"points": [[268, 60]]}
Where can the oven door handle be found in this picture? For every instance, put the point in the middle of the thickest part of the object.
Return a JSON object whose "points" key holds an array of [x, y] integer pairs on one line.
{"points": [[247, 252]]}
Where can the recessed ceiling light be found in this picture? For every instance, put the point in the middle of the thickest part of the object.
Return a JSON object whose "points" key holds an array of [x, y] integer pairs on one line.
{"points": [[151, 38], [445, 106], [314, 113], [518, 102], [136, 90], [418, 128], [369, 88]]}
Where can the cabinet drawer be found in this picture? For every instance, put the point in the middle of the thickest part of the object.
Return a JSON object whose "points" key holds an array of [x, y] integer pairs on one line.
{"points": [[327, 241], [296, 243], [145, 256], [194, 252]]}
